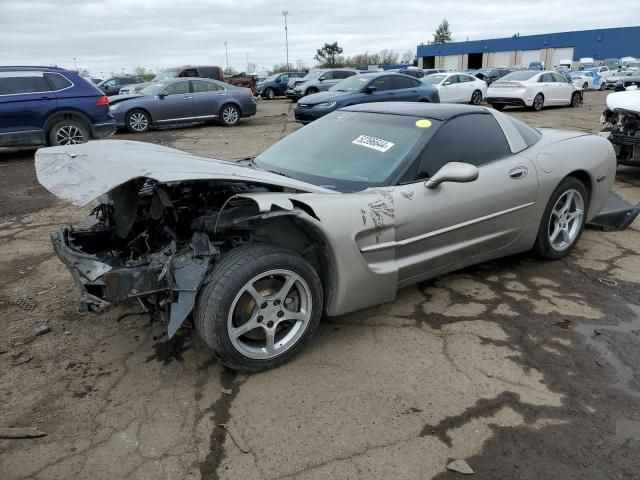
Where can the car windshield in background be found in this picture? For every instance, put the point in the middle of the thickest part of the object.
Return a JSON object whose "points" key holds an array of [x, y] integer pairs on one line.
{"points": [[355, 83], [166, 74], [524, 75], [434, 78], [154, 88], [347, 151]]}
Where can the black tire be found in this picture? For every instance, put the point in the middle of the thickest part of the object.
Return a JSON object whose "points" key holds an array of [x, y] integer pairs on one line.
{"points": [[269, 94], [543, 247], [603, 85], [576, 99], [311, 91], [228, 279], [498, 106], [229, 115], [68, 132], [476, 97], [137, 121], [538, 102]]}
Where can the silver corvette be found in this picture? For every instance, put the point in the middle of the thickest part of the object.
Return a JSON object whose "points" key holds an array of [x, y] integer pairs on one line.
{"points": [[334, 218]]}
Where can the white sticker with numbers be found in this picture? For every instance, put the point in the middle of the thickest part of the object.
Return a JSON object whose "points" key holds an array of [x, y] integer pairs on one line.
{"points": [[373, 142]]}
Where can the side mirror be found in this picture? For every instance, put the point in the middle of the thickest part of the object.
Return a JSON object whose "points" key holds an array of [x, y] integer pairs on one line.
{"points": [[446, 83], [453, 172], [321, 79], [370, 89], [161, 95]]}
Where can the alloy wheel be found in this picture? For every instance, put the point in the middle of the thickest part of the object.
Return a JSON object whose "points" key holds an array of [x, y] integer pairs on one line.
{"points": [[565, 221], [476, 98], [230, 115], [138, 121], [269, 314], [70, 135], [538, 102]]}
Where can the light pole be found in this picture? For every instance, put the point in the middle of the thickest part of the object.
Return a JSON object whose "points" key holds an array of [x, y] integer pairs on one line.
{"points": [[75, 66], [286, 35], [226, 53]]}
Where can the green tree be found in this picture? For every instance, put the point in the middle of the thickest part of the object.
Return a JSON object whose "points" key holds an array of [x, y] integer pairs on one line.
{"points": [[329, 55], [443, 34]]}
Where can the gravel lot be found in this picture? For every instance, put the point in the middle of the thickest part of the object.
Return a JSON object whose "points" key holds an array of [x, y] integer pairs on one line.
{"points": [[525, 369]]}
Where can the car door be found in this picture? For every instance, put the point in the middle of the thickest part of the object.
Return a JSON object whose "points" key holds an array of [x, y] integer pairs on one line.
{"points": [[449, 89], [328, 80], [208, 97], [466, 87], [563, 89], [382, 89], [281, 84], [455, 221], [547, 87], [25, 100], [174, 103], [405, 89]]}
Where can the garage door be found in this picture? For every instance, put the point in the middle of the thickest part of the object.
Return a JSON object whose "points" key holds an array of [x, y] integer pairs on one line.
{"points": [[450, 62], [560, 54], [530, 56], [501, 59]]}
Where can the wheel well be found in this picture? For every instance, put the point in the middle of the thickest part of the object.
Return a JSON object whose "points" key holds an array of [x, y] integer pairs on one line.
{"points": [[77, 116], [584, 178]]}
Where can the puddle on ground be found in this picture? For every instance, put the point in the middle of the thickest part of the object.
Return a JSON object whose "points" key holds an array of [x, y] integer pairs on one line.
{"points": [[607, 357]]}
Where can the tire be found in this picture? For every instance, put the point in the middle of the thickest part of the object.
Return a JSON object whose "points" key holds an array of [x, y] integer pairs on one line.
{"points": [[585, 85], [602, 85], [311, 91], [68, 132], [498, 106], [538, 102], [269, 94], [476, 97], [229, 115], [224, 303], [576, 100], [555, 241], [138, 121]]}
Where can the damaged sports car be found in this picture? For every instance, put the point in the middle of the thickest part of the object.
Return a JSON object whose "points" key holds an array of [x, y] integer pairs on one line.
{"points": [[621, 121], [334, 218]]}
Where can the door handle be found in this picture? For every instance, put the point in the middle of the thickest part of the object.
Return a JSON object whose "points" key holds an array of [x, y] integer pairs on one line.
{"points": [[187, 98], [518, 172]]}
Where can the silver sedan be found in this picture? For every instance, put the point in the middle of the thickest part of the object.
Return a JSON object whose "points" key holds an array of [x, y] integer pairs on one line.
{"points": [[182, 100], [334, 218]]}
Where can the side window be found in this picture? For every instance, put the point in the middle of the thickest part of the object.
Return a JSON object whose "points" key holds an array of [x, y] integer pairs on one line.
{"points": [[382, 83], [560, 79], [57, 81], [127, 81], [209, 72], [200, 86], [545, 77], [484, 142], [327, 76], [21, 83], [284, 78], [416, 83], [110, 83], [403, 82], [465, 78], [189, 72], [177, 88]]}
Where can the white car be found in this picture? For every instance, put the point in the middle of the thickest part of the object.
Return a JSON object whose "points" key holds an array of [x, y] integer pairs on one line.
{"points": [[533, 89], [603, 71], [456, 87]]}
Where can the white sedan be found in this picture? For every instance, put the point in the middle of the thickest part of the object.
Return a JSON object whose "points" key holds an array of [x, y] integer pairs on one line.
{"points": [[533, 89], [455, 87]]}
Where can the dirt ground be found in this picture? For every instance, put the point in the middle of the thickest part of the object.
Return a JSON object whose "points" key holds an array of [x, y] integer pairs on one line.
{"points": [[525, 369]]}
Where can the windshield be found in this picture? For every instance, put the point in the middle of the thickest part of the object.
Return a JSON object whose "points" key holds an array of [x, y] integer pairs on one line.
{"points": [[434, 78], [633, 65], [355, 83], [154, 88], [166, 74], [523, 75], [347, 151]]}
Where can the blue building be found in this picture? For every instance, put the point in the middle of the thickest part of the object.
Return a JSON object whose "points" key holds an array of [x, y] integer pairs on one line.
{"points": [[551, 48]]}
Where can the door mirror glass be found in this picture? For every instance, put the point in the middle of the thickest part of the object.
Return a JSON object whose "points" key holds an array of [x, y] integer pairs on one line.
{"points": [[161, 95], [370, 89], [446, 83], [453, 172], [321, 79]]}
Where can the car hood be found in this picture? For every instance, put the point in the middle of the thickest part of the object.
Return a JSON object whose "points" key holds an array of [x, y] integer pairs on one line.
{"points": [[322, 97], [82, 173], [119, 98], [624, 101]]}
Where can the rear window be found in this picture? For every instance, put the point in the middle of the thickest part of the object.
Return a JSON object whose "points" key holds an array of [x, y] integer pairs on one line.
{"points": [[13, 83], [523, 75]]}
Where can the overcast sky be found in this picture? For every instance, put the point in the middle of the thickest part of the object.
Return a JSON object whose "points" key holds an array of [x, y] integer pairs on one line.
{"points": [[107, 35]]}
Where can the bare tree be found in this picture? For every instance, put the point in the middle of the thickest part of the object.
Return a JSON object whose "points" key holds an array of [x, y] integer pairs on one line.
{"points": [[251, 67], [407, 57], [388, 57]]}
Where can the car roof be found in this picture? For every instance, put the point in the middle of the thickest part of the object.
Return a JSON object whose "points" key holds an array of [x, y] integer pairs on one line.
{"points": [[29, 68], [436, 111]]}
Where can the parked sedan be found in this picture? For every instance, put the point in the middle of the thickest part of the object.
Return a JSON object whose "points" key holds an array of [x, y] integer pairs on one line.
{"points": [[276, 85], [335, 217], [587, 80], [182, 101], [365, 88], [112, 86], [456, 87], [533, 89]]}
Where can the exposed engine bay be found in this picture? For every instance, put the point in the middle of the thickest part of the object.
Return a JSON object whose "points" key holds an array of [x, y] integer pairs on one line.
{"points": [[156, 242], [622, 127]]}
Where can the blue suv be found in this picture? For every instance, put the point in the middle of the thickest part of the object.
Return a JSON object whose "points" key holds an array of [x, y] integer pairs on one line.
{"points": [[50, 106]]}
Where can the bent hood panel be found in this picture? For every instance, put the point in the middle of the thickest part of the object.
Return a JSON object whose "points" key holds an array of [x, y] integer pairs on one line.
{"points": [[624, 101], [82, 173]]}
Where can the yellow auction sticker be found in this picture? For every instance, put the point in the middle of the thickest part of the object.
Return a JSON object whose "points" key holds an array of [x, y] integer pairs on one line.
{"points": [[423, 123]]}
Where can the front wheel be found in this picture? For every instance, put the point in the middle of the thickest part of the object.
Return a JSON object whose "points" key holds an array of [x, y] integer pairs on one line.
{"points": [[538, 102], [576, 99], [229, 115], [262, 304], [602, 86], [585, 85], [269, 94], [138, 121], [476, 97], [563, 220]]}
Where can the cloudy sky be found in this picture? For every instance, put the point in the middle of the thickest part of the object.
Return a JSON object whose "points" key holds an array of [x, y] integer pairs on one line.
{"points": [[108, 35]]}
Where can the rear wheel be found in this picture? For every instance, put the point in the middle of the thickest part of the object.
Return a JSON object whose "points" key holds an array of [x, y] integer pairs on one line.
{"points": [[68, 132], [476, 97], [138, 121], [262, 304], [563, 220], [229, 115], [538, 102]]}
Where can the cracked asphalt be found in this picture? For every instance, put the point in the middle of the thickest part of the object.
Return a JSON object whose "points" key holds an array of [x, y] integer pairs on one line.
{"points": [[525, 369]]}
